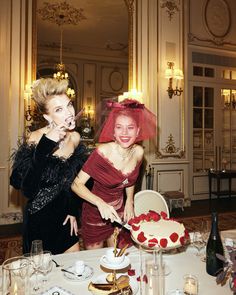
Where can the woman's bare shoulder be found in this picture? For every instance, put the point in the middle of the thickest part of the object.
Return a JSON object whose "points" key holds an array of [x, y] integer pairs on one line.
{"points": [[139, 151], [35, 136], [75, 136], [106, 148]]}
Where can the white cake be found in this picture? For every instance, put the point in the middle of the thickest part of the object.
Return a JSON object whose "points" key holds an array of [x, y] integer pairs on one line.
{"points": [[155, 231]]}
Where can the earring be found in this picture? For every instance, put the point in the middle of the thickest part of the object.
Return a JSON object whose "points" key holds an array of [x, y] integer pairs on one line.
{"points": [[50, 125]]}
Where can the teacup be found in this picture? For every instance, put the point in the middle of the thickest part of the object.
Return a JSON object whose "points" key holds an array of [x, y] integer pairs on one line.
{"points": [[79, 267], [111, 258]]}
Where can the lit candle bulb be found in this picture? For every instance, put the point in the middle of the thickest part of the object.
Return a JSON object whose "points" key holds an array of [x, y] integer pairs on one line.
{"points": [[191, 285]]}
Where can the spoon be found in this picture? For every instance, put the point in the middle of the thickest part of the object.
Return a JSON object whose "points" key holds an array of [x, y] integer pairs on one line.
{"points": [[70, 272], [57, 265]]}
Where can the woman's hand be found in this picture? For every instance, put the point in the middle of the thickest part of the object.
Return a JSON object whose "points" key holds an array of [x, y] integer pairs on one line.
{"points": [[57, 133], [73, 224], [107, 211], [129, 210]]}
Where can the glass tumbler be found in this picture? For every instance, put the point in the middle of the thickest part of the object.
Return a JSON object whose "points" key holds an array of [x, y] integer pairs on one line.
{"points": [[15, 278]]}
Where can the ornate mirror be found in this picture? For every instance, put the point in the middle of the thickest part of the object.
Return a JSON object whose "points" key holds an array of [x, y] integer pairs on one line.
{"points": [[91, 39]]}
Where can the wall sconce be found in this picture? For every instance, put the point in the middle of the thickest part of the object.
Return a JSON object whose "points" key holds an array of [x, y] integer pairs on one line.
{"points": [[173, 74], [229, 97], [89, 112]]}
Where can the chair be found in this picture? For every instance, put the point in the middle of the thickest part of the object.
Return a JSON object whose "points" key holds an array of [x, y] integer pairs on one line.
{"points": [[175, 199], [149, 200]]}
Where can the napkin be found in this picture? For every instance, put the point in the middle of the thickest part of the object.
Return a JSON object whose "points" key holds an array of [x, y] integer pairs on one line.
{"points": [[52, 290]]}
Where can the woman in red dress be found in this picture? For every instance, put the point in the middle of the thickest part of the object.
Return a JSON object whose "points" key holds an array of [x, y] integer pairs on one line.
{"points": [[114, 167]]}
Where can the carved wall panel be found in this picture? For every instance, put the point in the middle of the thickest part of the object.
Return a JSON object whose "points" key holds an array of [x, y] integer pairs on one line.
{"points": [[170, 181], [114, 79], [212, 23]]}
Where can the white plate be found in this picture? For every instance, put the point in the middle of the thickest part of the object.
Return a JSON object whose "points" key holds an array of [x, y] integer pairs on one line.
{"points": [[56, 291], [105, 263], [133, 282], [88, 272]]}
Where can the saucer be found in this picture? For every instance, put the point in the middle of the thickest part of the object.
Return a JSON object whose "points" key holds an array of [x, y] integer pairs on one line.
{"points": [[88, 272], [105, 263]]}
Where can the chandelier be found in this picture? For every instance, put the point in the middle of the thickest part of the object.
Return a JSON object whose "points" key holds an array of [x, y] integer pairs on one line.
{"points": [[61, 13], [60, 67]]}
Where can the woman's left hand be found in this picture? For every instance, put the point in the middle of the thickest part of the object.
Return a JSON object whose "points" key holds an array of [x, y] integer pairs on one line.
{"points": [[73, 224], [129, 210]]}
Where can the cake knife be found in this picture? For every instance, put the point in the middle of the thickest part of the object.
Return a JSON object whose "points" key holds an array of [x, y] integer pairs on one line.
{"points": [[123, 224]]}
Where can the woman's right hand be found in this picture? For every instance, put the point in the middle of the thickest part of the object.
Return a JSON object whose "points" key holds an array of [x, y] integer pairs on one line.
{"points": [[57, 132], [107, 211]]}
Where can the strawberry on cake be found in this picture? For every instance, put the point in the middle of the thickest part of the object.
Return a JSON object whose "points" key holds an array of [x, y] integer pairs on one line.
{"points": [[155, 231]]}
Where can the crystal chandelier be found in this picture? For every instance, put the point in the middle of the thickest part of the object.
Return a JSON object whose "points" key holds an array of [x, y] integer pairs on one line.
{"points": [[60, 67], [61, 14]]}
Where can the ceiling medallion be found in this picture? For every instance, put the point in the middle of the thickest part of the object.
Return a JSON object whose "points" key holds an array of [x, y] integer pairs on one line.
{"points": [[171, 7], [61, 13]]}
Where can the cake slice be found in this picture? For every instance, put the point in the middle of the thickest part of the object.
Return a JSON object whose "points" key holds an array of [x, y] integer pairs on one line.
{"points": [[121, 287]]}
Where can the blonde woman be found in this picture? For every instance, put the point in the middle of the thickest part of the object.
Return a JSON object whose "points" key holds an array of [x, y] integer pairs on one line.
{"points": [[44, 167]]}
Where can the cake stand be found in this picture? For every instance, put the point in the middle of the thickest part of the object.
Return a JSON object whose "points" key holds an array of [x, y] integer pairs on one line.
{"points": [[114, 267], [158, 272]]}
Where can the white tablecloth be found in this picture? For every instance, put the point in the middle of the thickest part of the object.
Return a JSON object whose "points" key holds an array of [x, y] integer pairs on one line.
{"points": [[180, 264]]}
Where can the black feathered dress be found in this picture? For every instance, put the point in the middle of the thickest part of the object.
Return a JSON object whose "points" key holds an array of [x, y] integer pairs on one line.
{"points": [[45, 181]]}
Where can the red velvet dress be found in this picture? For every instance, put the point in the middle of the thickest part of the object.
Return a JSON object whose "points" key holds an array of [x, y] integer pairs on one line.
{"points": [[109, 184]]}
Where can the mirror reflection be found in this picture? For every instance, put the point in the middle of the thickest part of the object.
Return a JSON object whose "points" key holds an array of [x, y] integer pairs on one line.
{"points": [[88, 41]]}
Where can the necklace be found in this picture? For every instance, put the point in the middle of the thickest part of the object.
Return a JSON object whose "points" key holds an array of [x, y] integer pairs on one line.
{"points": [[125, 155], [61, 144]]}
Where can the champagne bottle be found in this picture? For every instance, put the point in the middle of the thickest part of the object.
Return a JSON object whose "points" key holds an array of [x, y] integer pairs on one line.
{"points": [[214, 246]]}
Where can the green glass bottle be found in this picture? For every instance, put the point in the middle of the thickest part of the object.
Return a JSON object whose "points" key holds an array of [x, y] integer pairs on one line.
{"points": [[214, 246]]}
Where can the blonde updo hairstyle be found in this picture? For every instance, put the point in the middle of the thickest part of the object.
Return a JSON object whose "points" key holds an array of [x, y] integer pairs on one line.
{"points": [[44, 89]]}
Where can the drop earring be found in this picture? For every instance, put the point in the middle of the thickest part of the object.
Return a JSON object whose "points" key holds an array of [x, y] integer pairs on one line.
{"points": [[50, 124]]}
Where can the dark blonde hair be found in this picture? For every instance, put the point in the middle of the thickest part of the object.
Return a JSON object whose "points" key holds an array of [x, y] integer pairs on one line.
{"points": [[44, 89]]}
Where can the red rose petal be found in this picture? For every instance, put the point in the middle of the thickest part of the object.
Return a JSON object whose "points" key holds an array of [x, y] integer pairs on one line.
{"points": [[135, 228], [163, 215], [131, 272], [142, 217], [141, 238], [154, 216], [138, 279], [148, 217], [186, 234], [145, 279], [174, 237], [163, 243], [182, 240], [152, 242]]}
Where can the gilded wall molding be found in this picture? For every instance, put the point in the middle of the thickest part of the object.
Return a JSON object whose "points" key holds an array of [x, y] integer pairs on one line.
{"points": [[217, 18], [172, 6], [170, 150], [215, 41], [130, 7], [217, 21]]}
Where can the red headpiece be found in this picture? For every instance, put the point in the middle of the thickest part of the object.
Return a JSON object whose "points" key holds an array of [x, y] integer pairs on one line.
{"points": [[145, 119]]}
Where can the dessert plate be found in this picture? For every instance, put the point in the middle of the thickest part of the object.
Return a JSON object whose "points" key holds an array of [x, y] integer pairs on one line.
{"points": [[105, 263], [132, 281], [88, 272]]}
